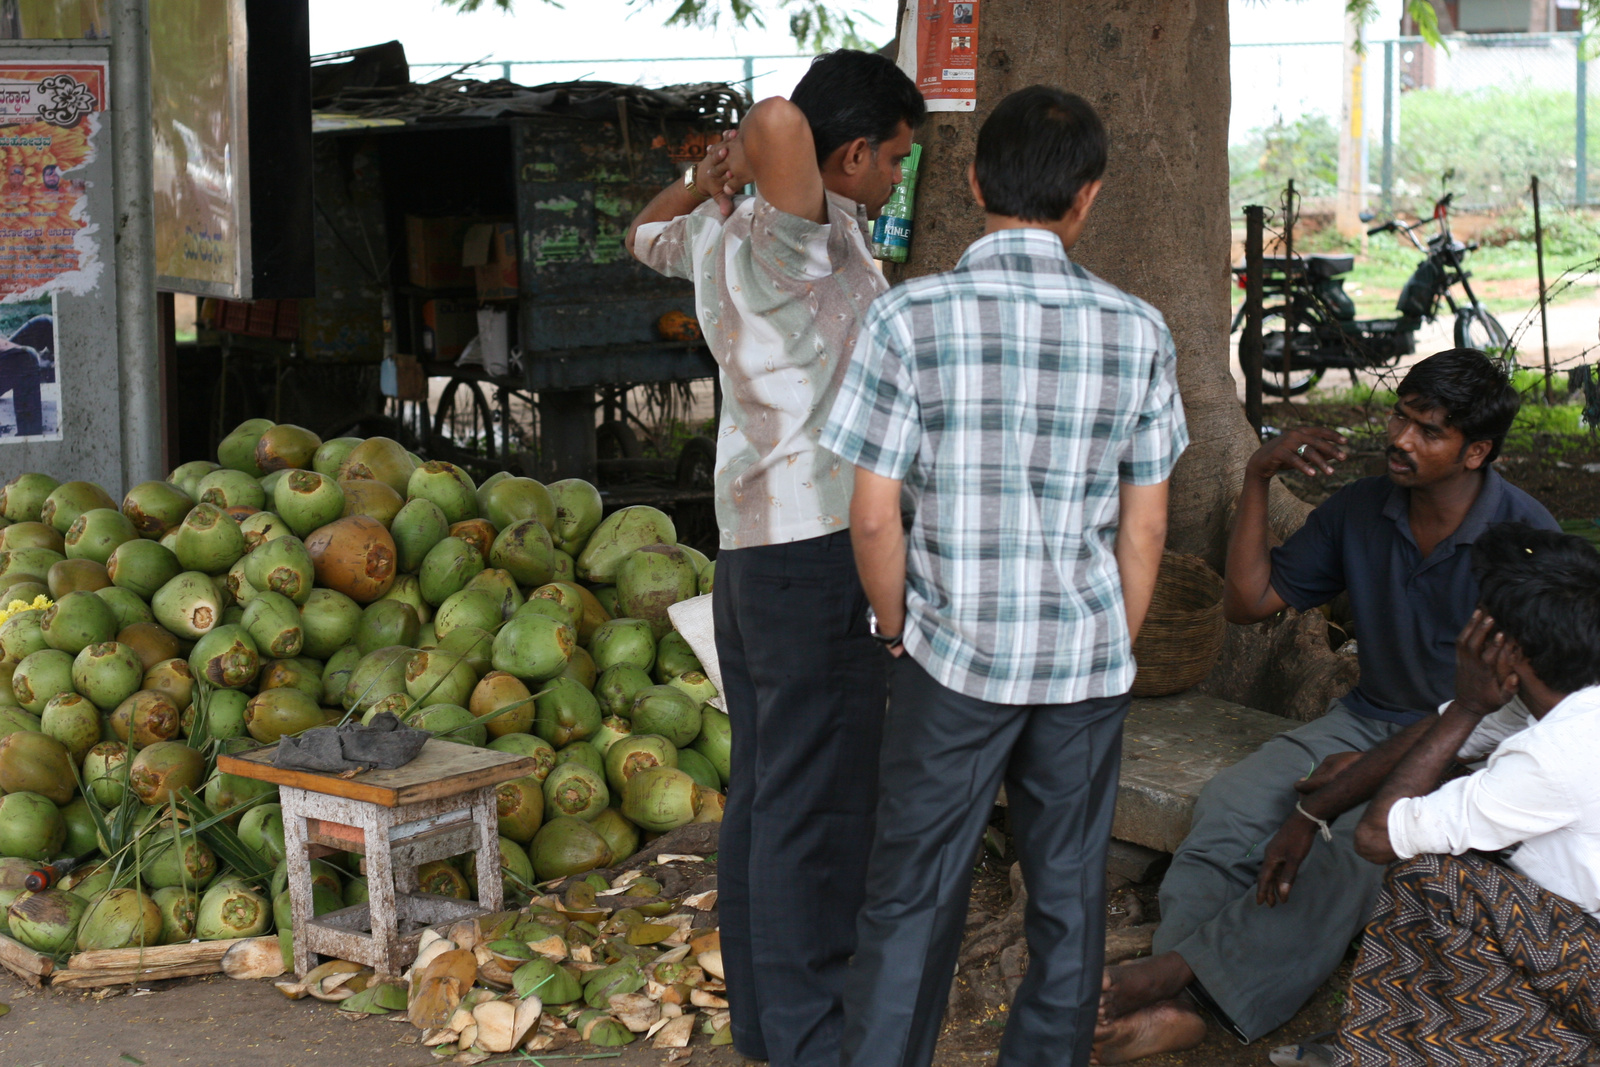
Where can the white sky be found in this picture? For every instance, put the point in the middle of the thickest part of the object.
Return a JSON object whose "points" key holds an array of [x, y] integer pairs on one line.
{"points": [[1267, 81]]}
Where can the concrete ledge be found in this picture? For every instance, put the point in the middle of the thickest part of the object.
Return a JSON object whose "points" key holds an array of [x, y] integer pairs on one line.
{"points": [[1173, 746]]}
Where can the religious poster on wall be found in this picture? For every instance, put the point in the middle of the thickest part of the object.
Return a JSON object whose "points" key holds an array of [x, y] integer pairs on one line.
{"points": [[83, 20], [939, 50], [49, 119]]}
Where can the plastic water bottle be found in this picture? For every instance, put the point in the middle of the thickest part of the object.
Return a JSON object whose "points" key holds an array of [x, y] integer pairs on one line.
{"points": [[891, 234]]}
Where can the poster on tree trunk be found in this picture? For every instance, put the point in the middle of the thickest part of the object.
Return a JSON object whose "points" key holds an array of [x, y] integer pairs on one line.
{"points": [[49, 116], [939, 50]]}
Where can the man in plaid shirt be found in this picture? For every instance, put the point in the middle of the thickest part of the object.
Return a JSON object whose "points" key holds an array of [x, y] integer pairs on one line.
{"points": [[1030, 411]]}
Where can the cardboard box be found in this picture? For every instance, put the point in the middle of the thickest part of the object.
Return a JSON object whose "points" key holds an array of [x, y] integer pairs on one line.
{"points": [[433, 251], [490, 249], [447, 326]]}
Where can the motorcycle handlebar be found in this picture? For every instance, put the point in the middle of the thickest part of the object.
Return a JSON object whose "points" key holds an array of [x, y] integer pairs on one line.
{"points": [[1384, 228]]}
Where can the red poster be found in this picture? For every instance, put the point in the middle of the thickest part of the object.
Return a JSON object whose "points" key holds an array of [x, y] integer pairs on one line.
{"points": [[947, 53], [49, 115]]}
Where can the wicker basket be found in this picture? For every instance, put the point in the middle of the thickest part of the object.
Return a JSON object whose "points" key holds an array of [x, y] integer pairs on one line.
{"points": [[1182, 634]]}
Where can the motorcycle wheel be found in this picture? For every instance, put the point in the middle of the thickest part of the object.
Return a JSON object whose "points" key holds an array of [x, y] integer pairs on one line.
{"points": [[1476, 328], [1274, 382]]}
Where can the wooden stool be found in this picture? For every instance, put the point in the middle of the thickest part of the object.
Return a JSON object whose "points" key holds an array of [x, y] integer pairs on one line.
{"points": [[441, 804]]}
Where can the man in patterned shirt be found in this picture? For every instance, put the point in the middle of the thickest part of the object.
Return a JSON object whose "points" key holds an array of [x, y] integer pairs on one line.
{"points": [[1031, 412], [781, 282]]}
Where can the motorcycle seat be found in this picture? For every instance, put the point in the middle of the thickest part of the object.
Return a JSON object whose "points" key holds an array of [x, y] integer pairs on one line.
{"points": [[1318, 265]]}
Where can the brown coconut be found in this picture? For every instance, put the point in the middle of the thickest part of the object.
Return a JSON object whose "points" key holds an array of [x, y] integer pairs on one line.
{"points": [[355, 556]]}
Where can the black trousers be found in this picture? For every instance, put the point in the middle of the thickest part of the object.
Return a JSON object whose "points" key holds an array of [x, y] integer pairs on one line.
{"points": [[804, 685], [944, 757], [19, 376]]}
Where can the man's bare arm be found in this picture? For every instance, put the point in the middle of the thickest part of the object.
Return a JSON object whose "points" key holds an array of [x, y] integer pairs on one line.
{"points": [[776, 148], [878, 540], [1248, 595], [712, 175], [1141, 534]]}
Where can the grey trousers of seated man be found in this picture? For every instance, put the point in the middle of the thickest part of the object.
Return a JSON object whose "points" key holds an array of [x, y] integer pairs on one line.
{"points": [[1257, 965]]}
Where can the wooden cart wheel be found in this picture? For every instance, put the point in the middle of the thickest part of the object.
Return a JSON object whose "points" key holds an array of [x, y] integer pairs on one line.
{"points": [[463, 409]]}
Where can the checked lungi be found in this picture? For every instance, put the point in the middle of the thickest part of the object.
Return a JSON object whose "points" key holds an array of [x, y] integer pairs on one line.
{"points": [[1467, 962]]}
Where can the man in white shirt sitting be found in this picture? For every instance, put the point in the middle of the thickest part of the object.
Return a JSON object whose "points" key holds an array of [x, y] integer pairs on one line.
{"points": [[1471, 956]]}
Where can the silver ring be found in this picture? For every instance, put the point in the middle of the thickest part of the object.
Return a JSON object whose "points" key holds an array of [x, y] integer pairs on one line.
{"points": [[1301, 450]]}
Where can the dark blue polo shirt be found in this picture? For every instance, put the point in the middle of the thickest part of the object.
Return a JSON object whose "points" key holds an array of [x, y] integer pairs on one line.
{"points": [[1408, 610]]}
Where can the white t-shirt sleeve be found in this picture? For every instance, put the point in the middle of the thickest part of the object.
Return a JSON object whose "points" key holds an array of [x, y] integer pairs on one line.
{"points": [[1510, 801]]}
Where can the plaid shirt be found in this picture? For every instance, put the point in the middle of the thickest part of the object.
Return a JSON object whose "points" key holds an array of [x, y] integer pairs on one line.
{"points": [[1012, 396]]}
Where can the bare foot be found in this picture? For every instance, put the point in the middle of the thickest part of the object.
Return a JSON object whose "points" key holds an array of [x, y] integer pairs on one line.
{"points": [[1166, 1026], [1127, 987]]}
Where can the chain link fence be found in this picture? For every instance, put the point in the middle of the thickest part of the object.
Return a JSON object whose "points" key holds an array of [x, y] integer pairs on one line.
{"points": [[1489, 110]]}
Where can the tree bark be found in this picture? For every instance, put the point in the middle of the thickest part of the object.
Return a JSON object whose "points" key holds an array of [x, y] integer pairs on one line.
{"points": [[1157, 72]]}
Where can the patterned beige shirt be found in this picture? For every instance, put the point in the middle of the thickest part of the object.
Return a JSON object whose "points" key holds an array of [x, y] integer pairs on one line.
{"points": [[780, 299]]}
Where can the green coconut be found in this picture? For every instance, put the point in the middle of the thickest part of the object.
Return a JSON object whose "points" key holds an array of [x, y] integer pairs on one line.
{"points": [[565, 712], [566, 846], [634, 753], [237, 451], [31, 827], [273, 714], [450, 722], [623, 641], [447, 568], [76, 621], [715, 742], [189, 605], [328, 622], [416, 529], [581, 752], [533, 647], [659, 799], [119, 918], [104, 772], [230, 911], [307, 500], [146, 717], [107, 673], [286, 446], [524, 549], [652, 579], [142, 567], [273, 623], [187, 862], [208, 540], [535, 748], [668, 711], [69, 500], [376, 676], [330, 456], [33, 762], [575, 789], [447, 486], [507, 500], [620, 835], [226, 657], [46, 921], [674, 657], [82, 837], [97, 533], [40, 676], [699, 768], [74, 721], [282, 565], [379, 459], [24, 496], [620, 533], [578, 513], [161, 771], [617, 688], [178, 908], [231, 489]]}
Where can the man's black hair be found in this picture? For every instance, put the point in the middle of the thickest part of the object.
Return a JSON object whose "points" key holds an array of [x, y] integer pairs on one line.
{"points": [[848, 94], [1475, 392], [1542, 589], [1037, 148]]}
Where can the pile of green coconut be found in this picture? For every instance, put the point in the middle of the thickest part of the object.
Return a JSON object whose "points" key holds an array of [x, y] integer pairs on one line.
{"points": [[299, 583]]}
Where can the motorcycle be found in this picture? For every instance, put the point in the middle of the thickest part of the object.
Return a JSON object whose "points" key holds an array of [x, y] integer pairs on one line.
{"points": [[1308, 291]]}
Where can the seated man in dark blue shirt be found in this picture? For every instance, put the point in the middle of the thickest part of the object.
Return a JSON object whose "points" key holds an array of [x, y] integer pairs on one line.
{"points": [[1231, 933]]}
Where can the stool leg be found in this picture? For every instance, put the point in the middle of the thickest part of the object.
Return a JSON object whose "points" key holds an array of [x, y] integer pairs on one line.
{"points": [[486, 813], [381, 889], [299, 864]]}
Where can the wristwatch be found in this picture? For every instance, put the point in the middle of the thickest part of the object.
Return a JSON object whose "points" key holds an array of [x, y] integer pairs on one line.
{"points": [[886, 640], [689, 184]]}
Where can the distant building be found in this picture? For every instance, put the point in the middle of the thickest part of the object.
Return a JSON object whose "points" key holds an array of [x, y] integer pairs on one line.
{"points": [[1420, 67]]}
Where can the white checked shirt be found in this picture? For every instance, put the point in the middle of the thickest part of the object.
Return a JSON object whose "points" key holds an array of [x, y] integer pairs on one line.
{"points": [[1013, 396]]}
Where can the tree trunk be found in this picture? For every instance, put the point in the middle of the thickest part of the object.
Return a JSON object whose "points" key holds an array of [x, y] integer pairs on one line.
{"points": [[1157, 72]]}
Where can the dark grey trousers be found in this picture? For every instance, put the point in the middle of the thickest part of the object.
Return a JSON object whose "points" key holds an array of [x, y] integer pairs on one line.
{"points": [[1257, 965], [804, 684], [944, 757]]}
